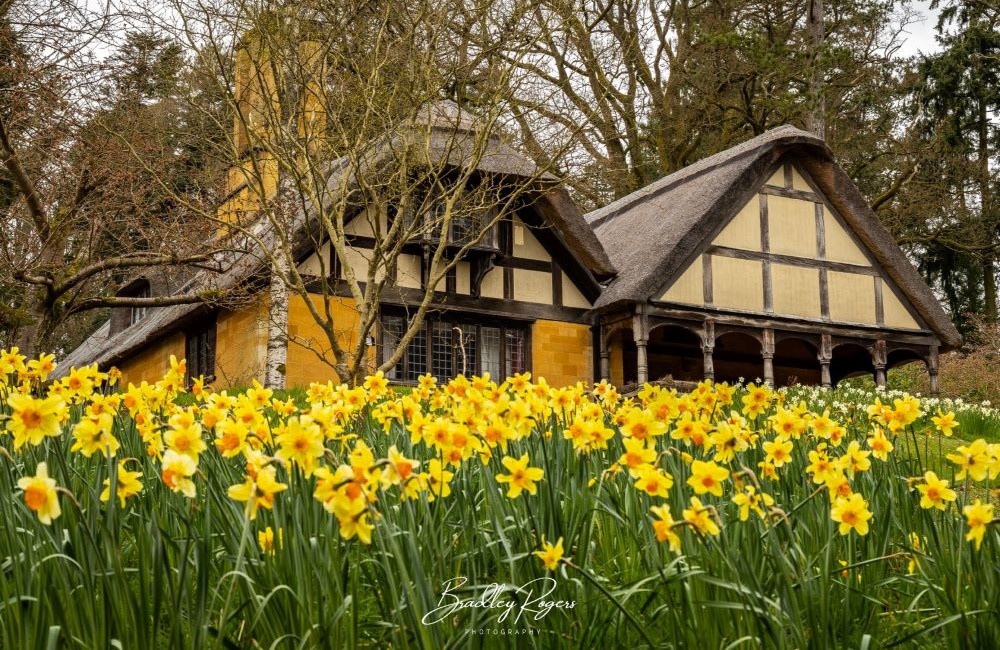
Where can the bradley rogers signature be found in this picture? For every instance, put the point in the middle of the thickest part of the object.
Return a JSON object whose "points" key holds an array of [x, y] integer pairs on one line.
{"points": [[532, 601]]}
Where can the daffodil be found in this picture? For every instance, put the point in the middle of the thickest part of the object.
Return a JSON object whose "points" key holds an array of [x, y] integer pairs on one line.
{"points": [[128, 485], [700, 518], [972, 459], [522, 478], [40, 494], [301, 442], [852, 514], [177, 470], [945, 422], [778, 451], [977, 517], [707, 477], [637, 453], [258, 490], [879, 444], [934, 492], [654, 481], [551, 554], [663, 528], [268, 541], [750, 499], [32, 419]]}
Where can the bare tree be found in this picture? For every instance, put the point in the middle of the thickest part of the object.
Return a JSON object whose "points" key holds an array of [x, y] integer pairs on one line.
{"points": [[77, 213], [386, 116]]}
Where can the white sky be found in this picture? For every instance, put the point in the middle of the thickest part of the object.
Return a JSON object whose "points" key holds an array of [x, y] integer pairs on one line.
{"points": [[920, 37]]}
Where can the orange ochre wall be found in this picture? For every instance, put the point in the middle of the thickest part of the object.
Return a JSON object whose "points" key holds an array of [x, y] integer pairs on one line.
{"points": [[563, 353], [153, 362], [306, 338], [240, 349], [241, 345]]}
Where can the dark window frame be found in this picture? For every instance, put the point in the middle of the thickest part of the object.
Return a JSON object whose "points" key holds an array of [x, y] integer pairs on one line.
{"points": [[200, 349], [507, 328]]}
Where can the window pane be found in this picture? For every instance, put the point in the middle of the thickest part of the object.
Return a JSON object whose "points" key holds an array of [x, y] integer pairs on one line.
{"points": [[489, 346], [514, 351], [441, 363], [392, 331], [466, 344], [416, 356]]}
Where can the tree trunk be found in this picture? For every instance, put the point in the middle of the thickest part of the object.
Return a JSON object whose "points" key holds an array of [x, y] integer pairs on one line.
{"points": [[989, 288], [816, 27], [986, 210], [277, 330]]}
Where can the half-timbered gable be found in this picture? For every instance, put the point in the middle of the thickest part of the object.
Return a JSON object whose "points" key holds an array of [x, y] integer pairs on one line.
{"points": [[762, 261]]}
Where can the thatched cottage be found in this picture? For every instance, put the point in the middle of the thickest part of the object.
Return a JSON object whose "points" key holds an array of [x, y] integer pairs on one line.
{"points": [[762, 261]]}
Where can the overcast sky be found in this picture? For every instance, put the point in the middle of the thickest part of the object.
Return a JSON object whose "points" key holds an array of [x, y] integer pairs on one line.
{"points": [[921, 33]]}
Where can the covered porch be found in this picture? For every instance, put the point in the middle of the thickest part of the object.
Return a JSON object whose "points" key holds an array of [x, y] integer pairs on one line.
{"points": [[648, 345]]}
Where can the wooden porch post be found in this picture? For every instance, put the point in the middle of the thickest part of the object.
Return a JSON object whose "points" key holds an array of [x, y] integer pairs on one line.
{"points": [[640, 332], [707, 348], [767, 351], [879, 361], [605, 369], [932, 370], [825, 357]]}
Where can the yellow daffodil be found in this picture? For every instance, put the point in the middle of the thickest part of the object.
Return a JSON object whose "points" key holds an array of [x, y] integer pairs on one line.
{"points": [[40, 494], [301, 443], [977, 517], [653, 481], [521, 477], [945, 422], [177, 470], [852, 514], [551, 554], [268, 541], [258, 490], [879, 444], [973, 460], [778, 451], [934, 492], [707, 477], [750, 499], [129, 484], [32, 419], [663, 527], [700, 518]]}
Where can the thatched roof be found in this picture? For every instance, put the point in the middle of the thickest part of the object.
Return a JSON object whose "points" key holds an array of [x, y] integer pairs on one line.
{"points": [[652, 234], [451, 134]]}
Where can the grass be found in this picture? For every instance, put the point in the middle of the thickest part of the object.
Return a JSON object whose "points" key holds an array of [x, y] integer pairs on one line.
{"points": [[165, 570]]}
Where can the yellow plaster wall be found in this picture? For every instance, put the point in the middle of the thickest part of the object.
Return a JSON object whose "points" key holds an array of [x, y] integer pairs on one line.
{"points": [[563, 353], [241, 345], [791, 226], [463, 278], [305, 336], [525, 243], [852, 297], [737, 284], [571, 296], [799, 182], [896, 315], [153, 362], [408, 271], [795, 290], [533, 286], [492, 284], [743, 231], [362, 224], [840, 246], [777, 179], [690, 287]]}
